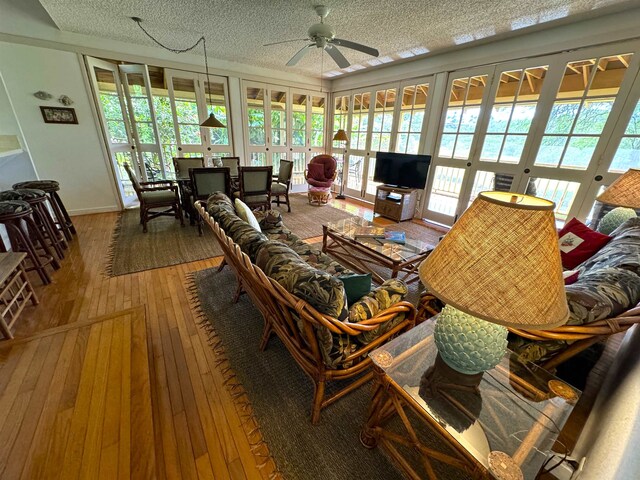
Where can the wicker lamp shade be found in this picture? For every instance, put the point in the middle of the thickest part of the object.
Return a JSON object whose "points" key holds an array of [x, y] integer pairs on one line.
{"points": [[624, 192], [501, 263]]}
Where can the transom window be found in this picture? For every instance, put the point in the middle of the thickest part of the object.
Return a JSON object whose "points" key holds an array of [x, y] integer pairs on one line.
{"points": [[584, 100]]}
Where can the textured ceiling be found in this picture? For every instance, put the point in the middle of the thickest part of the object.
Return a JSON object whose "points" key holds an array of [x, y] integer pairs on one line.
{"points": [[236, 29]]}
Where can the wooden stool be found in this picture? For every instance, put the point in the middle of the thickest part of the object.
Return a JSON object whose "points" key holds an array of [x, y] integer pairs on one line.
{"points": [[319, 195], [15, 291], [38, 201], [51, 188], [25, 236]]}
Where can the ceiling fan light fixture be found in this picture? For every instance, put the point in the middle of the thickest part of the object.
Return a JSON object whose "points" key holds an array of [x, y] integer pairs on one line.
{"points": [[212, 122]]}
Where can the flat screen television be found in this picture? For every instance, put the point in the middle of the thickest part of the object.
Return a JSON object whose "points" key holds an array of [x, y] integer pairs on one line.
{"points": [[401, 169]]}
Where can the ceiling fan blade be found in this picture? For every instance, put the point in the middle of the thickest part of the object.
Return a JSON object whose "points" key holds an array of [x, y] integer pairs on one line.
{"points": [[356, 46], [333, 51], [285, 41], [298, 56]]}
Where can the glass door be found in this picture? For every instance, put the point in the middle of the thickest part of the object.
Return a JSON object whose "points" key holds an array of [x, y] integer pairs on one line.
{"points": [[112, 108], [299, 138], [359, 141], [382, 137], [137, 89], [585, 104], [341, 116], [457, 143], [215, 95], [278, 126], [256, 123]]}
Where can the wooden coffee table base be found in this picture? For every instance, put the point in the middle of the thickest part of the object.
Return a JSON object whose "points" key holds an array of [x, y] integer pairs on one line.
{"points": [[361, 258]]}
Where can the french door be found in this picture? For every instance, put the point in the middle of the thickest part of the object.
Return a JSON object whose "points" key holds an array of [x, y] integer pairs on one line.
{"points": [[112, 109], [538, 128], [283, 123]]}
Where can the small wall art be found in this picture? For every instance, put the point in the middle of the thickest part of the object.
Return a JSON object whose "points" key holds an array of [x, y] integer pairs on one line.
{"points": [[59, 115]]}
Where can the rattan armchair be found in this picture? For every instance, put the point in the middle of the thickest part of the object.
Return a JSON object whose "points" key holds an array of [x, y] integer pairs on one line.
{"points": [[280, 309], [579, 337], [155, 195]]}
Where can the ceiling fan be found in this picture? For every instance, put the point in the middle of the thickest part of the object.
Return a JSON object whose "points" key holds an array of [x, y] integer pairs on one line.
{"points": [[323, 35]]}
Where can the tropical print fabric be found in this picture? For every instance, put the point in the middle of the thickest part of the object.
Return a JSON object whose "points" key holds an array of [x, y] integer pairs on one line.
{"points": [[608, 285], [385, 296]]}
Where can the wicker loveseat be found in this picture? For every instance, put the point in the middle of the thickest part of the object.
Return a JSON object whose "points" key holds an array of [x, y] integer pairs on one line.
{"points": [[602, 302], [303, 302]]}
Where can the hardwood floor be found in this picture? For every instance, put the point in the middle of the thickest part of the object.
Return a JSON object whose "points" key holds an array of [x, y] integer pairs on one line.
{"points": [[197, 429]]}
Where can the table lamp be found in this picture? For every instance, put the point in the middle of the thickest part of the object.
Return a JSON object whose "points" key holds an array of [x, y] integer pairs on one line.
{"points": [[622, 194], [499, 266]]}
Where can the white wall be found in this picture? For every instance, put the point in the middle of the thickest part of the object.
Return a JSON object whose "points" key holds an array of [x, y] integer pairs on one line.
{"points": [[71, 154]]}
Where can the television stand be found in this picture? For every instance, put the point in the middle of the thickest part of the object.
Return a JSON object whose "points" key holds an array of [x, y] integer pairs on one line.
{"points": [[396, 203]]}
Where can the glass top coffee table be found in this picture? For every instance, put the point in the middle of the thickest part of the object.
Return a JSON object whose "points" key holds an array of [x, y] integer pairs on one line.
{"points": [[505, 429], [340, 239]]}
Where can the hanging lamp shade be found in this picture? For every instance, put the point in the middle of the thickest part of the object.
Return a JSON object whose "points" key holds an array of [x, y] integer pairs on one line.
{"points": [[624, 191], [501, 262], [340, 136], [212, 122]]}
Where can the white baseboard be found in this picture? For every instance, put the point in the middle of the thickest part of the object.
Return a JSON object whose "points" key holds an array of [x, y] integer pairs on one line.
{"points": [[87, 211]]}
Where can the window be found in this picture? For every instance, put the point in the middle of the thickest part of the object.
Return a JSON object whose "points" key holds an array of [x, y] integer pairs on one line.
{"points": [[512, 113], [317, 121], [584, 100], [360, 121], [628, 152], [218, 106], [412, 108], [299, 119], [447, 183], [278, 118], [255, 114], [383, 120], [340, 118], [462, 116]]}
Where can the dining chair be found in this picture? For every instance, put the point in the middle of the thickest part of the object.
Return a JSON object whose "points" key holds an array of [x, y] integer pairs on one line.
{"points": [[255, 186], [154, 195], [206, 181], [233, 164], [181, 165], [281, 184]]}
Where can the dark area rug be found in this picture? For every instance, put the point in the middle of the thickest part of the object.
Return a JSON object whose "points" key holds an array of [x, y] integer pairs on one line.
{"points": [[280, 395]]}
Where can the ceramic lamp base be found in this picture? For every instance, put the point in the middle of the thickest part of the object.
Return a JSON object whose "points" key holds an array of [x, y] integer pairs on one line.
{"points": [[469, 344]]}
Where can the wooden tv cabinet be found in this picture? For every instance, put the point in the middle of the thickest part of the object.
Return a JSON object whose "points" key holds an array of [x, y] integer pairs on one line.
{"points": [[400, 210]]}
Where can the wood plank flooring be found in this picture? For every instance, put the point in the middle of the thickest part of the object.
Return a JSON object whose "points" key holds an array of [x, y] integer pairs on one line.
{"points": [[198, 431], [78, 401]]}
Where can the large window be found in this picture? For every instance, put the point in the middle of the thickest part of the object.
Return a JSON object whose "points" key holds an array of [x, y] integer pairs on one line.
{"points": [[412, 110], [512, 114], [583, 103], [628, 152], [360, 121]]}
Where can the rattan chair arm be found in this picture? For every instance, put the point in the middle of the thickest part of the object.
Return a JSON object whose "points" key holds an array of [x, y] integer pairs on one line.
{"points": [[382, 339]]}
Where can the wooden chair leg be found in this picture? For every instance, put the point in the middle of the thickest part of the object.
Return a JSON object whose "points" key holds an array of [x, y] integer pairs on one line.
{"points": [[318, 397], [224, 262], [286, 196], [236, 296], [144, 216], [180, 216]]}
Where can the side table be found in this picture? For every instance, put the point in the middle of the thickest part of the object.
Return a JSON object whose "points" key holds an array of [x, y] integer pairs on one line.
{"points": [[15, 290], [504, 430]]}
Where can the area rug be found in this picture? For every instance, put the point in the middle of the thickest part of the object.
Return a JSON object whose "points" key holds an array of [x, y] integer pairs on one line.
{"points": [[279, 394]]}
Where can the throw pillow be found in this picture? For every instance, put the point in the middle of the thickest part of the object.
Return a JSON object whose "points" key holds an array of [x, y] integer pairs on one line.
{"points": [[570, 276], [356, 285], [245, 213], [578, 243], [316, 171]]}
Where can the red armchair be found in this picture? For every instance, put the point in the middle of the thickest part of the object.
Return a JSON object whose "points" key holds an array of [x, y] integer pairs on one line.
{"points": [[320, 174]]}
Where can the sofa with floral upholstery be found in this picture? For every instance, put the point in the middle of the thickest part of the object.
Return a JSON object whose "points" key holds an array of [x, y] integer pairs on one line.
{"points": [[608, 285], [297, 289]]}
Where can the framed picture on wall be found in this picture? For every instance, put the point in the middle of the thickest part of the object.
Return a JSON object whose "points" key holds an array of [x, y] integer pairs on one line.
{"points": [[59, 115]]}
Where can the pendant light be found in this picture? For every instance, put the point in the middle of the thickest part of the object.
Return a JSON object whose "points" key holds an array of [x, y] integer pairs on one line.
{"points": [[211, 121]]}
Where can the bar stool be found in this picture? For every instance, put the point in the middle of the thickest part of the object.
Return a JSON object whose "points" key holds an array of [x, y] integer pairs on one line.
{"points": [[25, 236], [51, 188], [37, 200]]}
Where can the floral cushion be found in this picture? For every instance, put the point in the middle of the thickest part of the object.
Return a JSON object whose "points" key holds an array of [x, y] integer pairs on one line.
{"points": [[22, 194], [244, 235], [386, 295], [322, 291], [46, 185], [10, 207]]}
